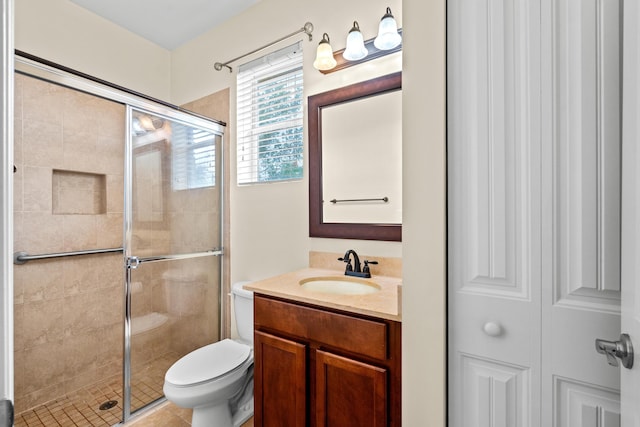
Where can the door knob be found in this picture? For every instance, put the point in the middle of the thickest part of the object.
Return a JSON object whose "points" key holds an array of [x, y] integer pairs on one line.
{"points": [[493, 329], [615, 350]]}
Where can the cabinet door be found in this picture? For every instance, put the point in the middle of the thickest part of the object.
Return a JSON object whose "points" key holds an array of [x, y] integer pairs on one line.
{"points": [[279, 381], [349, 393]]}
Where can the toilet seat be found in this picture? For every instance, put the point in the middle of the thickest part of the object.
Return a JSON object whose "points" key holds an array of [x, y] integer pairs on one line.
{"points": [[208, 363]]}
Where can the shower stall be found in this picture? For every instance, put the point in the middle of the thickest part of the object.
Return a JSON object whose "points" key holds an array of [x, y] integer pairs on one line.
{"points": [[118, 232]]}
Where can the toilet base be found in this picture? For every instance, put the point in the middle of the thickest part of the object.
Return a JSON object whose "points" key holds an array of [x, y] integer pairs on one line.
{"points": [[207, 416], [243, 414], [221, 415]]}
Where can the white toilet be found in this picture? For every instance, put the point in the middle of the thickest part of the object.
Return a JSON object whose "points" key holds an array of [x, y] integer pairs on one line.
{"points": [[217, 380]]}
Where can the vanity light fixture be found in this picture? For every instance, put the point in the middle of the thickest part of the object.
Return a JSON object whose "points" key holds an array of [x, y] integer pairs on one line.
{"points": [[324, 55], [388, 36], [358, 50], [355, 49]]}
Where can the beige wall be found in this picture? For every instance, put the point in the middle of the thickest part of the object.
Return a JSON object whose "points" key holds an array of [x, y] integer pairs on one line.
{"points": [[269, 223], [269, 232], [75, 38], [424, 236], [62, 32], [269, 227]]}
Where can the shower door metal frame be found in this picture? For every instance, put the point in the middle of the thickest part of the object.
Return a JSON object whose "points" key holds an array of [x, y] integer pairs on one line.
{"points": [[132, 262], [32, 66], [6, 216]]}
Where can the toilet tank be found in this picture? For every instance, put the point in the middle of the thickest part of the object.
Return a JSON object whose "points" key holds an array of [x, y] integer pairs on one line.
{"points": [[243, 309]]}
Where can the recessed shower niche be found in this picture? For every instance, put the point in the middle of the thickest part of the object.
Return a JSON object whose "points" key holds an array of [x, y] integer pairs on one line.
{"points": [[79, 193]]}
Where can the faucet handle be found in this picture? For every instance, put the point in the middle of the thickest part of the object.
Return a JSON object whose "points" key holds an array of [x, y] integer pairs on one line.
{"points": [[348, 261], [366, 269]]}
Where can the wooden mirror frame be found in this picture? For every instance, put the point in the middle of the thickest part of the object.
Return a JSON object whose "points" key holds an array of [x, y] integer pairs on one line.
{"points": [[316, 103]]}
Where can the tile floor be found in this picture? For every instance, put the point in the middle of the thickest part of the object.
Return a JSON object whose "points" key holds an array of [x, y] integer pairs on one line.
{"points": [[77, 409], [82, 408], [169, 415], [68, 413]]}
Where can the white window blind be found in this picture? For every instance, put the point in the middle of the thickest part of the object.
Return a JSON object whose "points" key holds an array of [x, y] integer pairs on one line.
{"points": [[193, 150], [270, 117], [193, 154]]}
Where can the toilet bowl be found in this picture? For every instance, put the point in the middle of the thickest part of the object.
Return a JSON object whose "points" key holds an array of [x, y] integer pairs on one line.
{"points": [[217, 380]]}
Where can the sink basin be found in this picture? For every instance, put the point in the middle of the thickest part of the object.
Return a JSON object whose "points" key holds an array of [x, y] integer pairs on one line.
{"points": [[340, 285]]}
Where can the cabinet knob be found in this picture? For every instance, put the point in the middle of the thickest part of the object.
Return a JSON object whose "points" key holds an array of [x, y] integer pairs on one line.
{"points": [[493, 329]]}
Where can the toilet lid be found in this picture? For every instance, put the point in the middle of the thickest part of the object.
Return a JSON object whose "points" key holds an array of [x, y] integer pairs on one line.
{"points": [[208, 363]]}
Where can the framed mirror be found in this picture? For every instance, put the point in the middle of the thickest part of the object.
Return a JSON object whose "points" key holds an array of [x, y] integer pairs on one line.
{"points": [[355, 161]]}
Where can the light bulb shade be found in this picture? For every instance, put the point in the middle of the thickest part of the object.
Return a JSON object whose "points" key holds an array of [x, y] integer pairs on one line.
{"points": [[324, 55], [388, 36], [355, 49]]}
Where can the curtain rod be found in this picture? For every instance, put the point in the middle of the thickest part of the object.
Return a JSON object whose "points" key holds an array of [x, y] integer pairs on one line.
{"points": [[307, 29]]}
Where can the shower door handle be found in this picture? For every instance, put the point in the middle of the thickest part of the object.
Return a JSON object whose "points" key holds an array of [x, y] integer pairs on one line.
{"points": [[133, 262]]}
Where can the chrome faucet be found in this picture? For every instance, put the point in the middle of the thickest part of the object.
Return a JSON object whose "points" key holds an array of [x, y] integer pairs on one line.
{"points": [[356, 269]]}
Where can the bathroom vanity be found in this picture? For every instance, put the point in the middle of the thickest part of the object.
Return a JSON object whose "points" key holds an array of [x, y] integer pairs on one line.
{"points": [[326, 359]]}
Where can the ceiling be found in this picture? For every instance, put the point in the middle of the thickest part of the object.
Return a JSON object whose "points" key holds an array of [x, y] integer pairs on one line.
{"points": [[167, 23]]}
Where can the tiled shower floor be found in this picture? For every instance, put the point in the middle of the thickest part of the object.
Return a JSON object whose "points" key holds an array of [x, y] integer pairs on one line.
{"points": [[77, 412], [77, 409], [82, 408]]}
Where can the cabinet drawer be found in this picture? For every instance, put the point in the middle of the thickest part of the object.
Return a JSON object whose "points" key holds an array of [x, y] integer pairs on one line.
{"points": [[368, 337]]}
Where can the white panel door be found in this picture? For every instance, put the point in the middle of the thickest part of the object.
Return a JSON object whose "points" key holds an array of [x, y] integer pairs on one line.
{"points": [[581, 262], [534, 143], [630, 378], [494, 229]]}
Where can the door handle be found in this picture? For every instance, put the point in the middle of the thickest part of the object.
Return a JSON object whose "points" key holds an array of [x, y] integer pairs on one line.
{"points": [[6, 412], [615, 350]]}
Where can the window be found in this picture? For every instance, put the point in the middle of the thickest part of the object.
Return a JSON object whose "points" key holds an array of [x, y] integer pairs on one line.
{"points": [[270, 117]]}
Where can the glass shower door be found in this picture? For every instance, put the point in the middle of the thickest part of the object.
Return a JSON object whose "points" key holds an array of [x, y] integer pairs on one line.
{"points": [[173, 239]]}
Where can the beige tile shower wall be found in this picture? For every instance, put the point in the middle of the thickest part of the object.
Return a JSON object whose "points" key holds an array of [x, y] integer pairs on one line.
{"points": [[216, 106], [194, 285], [185, 291], [192, 295], [68, 311]]}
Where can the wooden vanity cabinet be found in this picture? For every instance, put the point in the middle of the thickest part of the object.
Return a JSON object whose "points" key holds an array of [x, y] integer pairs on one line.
{"points": [[320, 367]]}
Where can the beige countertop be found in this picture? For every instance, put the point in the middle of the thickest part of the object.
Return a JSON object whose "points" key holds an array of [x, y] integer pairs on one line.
{"points": [[383, 304]]}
